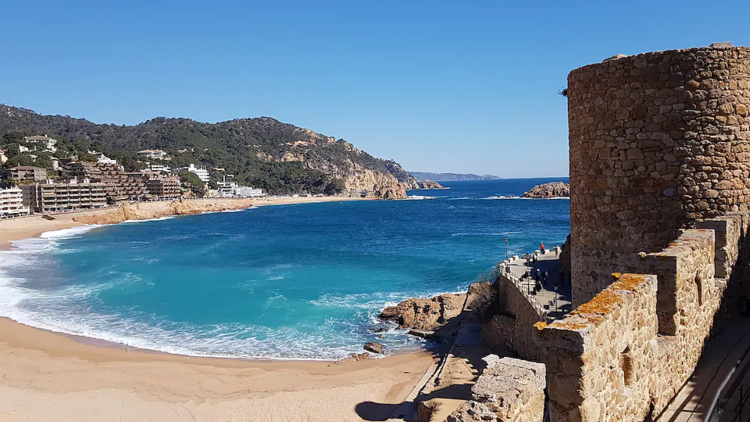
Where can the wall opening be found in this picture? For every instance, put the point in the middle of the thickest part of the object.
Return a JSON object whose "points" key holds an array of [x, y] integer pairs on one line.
{"points": [[626, 365], [699, 286]]}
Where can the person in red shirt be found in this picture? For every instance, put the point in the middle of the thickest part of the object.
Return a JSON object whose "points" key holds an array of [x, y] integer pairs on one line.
{"points": [[541, 246]]}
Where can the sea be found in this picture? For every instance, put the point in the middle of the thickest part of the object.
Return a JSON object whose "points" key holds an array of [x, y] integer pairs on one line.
{"points": [[302, 281]]}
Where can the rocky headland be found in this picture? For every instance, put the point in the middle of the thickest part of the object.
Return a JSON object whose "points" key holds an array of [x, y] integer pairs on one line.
{"points": [[549, 190], [427, 184], [151, 210]]}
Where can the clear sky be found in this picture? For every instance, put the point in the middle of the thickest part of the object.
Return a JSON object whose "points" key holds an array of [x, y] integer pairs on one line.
{"points": [[460, 86]]}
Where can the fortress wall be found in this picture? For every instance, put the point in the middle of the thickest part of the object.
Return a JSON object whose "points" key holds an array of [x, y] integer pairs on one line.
{"points": [[600, 357], [512, 328], [655, 326], [657, 141]]}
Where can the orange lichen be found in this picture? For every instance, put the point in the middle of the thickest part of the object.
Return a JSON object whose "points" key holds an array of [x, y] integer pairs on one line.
{"points": [[595, 310], [540, 325], [616, 275], [570, 325]]}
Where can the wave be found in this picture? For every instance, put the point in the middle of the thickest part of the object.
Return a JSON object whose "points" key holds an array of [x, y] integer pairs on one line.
{"points": [[419, 197], [73, 232], [484, 234], [167, 217]]}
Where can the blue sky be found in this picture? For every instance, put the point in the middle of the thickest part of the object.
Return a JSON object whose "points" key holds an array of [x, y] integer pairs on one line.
{"points": [[436, 85]]}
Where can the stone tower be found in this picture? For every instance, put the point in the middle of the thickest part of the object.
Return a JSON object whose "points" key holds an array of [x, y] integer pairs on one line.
{"points": [[657, 140]]}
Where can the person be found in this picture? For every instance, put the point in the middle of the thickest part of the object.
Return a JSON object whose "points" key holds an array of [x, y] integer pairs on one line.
{"points": [[541, 246], [535, 260], [538, 274], [545, 276], [557, 250], [538, 286]]}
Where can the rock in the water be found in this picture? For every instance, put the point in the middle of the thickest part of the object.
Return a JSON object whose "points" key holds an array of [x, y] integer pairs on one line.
{"points": [[395, 191], [374, 347], [427, 184], [425, 314], [549, 190]]}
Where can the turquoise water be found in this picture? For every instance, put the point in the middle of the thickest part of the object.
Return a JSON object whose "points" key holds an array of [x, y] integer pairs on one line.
{"points": [[284, 282]]}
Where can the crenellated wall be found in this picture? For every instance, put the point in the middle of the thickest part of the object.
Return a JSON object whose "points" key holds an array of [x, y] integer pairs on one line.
{"points": [[626, 353], [657, 140]]}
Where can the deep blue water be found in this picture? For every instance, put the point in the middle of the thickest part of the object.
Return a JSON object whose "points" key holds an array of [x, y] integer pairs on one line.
{"points": [[290, 281]]}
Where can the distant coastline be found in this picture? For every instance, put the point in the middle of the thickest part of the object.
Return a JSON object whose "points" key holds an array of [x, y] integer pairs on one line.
{"points": [[449, 177]]}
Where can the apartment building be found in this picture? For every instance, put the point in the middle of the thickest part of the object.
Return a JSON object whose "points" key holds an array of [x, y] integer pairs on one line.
{"points": [[153, 154], [52, 197], [11, 203], [28, 173], [164, 187], [122, 185]]}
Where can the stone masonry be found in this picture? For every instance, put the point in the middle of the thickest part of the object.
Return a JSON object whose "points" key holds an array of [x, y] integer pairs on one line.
{"points": [[657, 140], [509, 390]]}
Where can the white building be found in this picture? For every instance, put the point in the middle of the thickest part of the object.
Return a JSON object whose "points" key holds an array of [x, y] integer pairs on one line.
{"points": [[248, 192], [42, 143], [102, 159], [158, 168], [153, 154], [11, 203], [202, 173]]}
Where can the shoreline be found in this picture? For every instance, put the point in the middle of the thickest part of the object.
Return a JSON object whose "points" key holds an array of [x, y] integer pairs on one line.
{"points": [[48, 375], [20, 228]]}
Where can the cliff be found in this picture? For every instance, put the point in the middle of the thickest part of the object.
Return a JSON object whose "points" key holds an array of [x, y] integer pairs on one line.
{"points": [[549, 190], [151, 210]]}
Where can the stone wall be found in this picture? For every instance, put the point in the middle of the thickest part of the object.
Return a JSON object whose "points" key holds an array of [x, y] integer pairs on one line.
{"points": [[600, 357], [512, 327], [509, 390], [657, 141], [626, 353]]}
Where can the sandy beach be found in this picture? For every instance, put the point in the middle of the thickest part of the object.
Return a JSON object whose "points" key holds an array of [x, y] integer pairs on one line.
{"points": [[53, 377], [33, 226]]}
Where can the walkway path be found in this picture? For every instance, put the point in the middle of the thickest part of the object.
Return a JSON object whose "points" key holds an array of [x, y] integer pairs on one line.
{"points": [[546, 297], [720, 355]]}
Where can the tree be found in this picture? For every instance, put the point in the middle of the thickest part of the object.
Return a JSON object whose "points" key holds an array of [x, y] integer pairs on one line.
{"points": [[193, 182], [335, 187]]}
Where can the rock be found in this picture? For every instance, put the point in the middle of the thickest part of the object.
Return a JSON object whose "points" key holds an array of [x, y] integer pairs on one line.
{"points": [[549, 190], [360, 356], [395, 191], [422, 333], [374, 347], [482, 300], [378, 329], [427, 184], [425, 314], [151, 210]]}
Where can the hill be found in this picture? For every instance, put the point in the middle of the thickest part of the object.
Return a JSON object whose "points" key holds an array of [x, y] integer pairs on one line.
{"points": [[448, 177], [262, 152]]}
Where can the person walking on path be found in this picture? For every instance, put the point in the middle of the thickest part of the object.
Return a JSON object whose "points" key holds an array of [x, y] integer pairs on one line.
{"points": [[541, 246], [538, 274]]}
